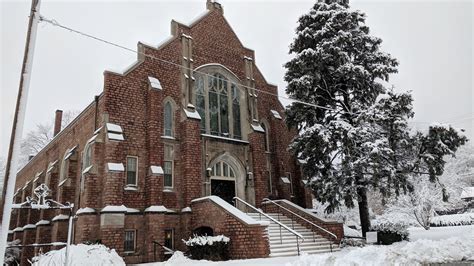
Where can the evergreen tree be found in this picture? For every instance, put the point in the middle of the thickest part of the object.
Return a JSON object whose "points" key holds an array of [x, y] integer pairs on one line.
{"points": [[354, 135]]}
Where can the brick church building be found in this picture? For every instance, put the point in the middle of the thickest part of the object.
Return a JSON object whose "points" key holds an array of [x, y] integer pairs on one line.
{"points": [[189, 119]]}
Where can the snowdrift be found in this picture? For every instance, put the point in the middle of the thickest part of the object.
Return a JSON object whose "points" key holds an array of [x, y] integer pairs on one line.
{"points": [[91, 255]]}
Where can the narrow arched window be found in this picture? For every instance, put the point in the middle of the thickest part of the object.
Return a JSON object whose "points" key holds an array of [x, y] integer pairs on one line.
{"points": [[266, 139], [168, 120]]}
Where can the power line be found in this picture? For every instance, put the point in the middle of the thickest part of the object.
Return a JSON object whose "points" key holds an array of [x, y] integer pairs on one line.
{"points": [[57, 24]]}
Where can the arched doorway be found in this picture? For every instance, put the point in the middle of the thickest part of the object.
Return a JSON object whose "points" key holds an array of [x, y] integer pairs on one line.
{"points": [[223, 181]]}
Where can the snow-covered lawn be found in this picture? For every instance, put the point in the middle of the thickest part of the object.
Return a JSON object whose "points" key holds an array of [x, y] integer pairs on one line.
{"points": [[91, 255], [437, 233], [442, 244]]}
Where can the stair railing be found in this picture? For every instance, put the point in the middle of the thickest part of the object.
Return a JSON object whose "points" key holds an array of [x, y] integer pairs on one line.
{"points": [[265, 200], [281, 225]]}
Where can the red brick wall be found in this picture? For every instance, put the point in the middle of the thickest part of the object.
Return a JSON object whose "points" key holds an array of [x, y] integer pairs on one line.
{"points": [[246, 241]]}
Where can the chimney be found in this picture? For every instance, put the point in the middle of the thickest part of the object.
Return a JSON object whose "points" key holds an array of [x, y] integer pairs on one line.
{"points": [[57, 122]]}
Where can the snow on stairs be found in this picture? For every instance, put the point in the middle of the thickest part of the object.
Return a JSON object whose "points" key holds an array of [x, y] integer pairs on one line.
{"points": [[287, 245]]}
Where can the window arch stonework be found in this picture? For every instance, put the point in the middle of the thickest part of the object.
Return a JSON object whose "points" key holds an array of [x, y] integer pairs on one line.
{"points": [[219, 101]]}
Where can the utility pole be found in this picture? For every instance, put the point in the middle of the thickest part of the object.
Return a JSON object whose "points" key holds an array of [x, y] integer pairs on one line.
{"points": [[18, 121]]}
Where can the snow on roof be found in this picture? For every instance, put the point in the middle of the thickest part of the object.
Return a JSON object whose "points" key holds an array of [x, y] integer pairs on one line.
{"points": [[113, 128], [51, 166], [70, 152], [285, 180], [156, 170], [43, 222], [192, 114], [62, 182], [467, 192], [155, 83], [132, 210], [60, 217], [115, 136], [230, 209], [186, 36], [115, 167], [37, 176], [187, 209], [92, 139], [18, 229], [304, 181], [158, 208], [248, 58], [85, 171], [112, 208], [29, 226], [85, 210], [257, 128], [276, 114], [97, 131]]}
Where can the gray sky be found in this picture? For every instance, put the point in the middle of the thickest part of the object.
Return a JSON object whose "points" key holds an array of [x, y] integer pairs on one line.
{"points": [[433, 41]]}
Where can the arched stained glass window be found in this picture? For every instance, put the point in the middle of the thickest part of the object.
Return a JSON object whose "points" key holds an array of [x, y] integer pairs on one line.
{"points": [[218, 103]]}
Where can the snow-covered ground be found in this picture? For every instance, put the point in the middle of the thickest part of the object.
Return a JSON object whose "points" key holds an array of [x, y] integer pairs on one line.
{"points": [[440, 244], [92, 255], [437, 233]]}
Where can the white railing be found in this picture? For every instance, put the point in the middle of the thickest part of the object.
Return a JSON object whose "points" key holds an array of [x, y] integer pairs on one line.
{"points": [[266, 200], [296, 234]]}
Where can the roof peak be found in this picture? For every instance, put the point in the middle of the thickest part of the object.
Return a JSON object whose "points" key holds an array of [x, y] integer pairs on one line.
{"points": [[212, 5]]}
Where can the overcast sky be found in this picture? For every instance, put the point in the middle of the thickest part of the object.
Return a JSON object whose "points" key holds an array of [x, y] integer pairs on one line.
{"points": [[433, 41]]}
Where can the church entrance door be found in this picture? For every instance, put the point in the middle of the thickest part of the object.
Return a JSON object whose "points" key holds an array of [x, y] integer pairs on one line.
{"points": [[224, 189]]}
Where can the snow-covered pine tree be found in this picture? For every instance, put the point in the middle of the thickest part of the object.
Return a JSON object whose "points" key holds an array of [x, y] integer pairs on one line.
{"points": [[354, 135]]}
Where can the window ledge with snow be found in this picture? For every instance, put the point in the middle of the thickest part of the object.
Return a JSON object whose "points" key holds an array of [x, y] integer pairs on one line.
{"points": [[115, 167], [131, 188]]}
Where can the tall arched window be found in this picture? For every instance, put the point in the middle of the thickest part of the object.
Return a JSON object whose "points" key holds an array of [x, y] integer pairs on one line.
{"points": [[168, 119], [217, 101]]}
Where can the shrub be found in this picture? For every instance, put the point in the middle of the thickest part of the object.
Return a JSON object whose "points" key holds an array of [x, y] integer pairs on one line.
{"points": [[389, 232], [213, 248], [453, 219]]}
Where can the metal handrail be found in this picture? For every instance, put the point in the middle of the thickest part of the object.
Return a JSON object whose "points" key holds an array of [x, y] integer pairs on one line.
{"points": [[167, 249], [299, 216], [298, 235]]}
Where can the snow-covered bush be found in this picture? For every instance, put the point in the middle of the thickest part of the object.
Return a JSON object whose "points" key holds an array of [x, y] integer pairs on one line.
{"points": [[453, 219], [91, 255], [208, 247], [12, 255], [389, 231]]}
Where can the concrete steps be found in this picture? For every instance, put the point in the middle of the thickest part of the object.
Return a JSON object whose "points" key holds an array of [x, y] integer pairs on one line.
{"points": [[287, 245]]}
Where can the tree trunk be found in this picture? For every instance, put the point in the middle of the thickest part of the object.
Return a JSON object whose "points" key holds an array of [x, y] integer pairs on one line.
{"points": [[363, 210]]}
